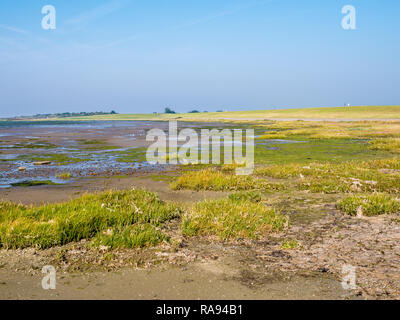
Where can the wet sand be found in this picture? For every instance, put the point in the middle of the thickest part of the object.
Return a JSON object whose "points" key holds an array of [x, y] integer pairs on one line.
{"points": [[51, 194], [208, 281]]}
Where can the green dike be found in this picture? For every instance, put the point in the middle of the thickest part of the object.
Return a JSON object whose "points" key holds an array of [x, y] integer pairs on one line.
{"points": [[355, 112]]}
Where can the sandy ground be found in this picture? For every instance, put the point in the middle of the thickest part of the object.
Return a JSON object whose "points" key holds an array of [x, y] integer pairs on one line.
{"points": [[196, 281], [202, 268], [50, 194]]}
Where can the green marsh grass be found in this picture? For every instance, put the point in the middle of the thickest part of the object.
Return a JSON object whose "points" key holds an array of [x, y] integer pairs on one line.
{"points": [[345, 177], [64, 175], [83, 218], [389, 144], [316, 150], [252, 196], [370, 204], [33, 183], [138, 235], [230, 219], [212, 179], [290, 244]]}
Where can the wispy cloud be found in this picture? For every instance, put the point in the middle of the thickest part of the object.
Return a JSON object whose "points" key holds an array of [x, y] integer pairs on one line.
{"points": [[215, 16], [112, 6], [96, 13], [191, 23], [13, 29]]}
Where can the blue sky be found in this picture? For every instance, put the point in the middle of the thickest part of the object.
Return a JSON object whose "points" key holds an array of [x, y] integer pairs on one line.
{"points": [[141, 56]]}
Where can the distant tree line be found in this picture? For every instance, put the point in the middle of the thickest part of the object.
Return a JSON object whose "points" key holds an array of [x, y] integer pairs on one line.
{"points": [[170, 111]]}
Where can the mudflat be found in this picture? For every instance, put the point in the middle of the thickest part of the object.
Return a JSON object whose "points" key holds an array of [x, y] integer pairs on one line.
{"points": [[329, 188]]}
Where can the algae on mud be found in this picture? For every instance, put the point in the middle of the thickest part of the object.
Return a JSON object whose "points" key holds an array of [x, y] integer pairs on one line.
{"points": [[32, 183]]}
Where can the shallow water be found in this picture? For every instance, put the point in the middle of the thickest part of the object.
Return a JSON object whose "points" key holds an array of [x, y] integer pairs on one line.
{"points": [[66, 136], [23, 141]]}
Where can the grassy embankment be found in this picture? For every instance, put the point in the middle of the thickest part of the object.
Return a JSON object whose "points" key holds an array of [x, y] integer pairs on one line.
{"points": [[356, 112]]}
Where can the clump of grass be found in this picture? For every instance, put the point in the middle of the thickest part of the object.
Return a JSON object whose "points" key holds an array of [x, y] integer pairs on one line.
{"points": [[349, 169], [33, 183], [138, 235], [83, 218], [211, 179], [391, 163], [386, 144], [231, 220], [12, 209], [252, 196], [290, 244], [64, 175], [231, 168], [337, 184], [351, 176], [369, 205], [283, 171], [327, 186]]}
